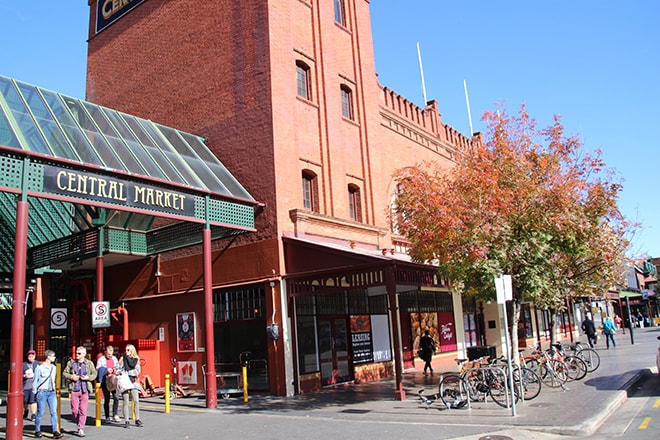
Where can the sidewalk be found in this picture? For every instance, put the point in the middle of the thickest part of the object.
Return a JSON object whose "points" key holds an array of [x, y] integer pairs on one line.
{"points": [[356, 411]]}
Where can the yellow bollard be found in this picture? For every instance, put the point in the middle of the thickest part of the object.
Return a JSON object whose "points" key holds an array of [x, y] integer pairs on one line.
{"points": [[245, 384], [97, 397], [167, 394], [58, 394]]}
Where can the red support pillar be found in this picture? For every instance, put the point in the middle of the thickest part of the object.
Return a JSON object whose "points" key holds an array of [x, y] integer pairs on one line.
{"points": [[211, 386], [15, 395], [399, 392]]}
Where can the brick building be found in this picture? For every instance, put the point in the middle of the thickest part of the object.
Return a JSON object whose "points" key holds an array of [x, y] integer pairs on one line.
{"points": [[287, 97]]}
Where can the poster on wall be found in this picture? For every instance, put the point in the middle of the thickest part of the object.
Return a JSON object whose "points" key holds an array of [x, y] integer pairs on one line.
{"points": [[361, 339], [187, 372], [447, 331], [185, 332], [420, 322]]}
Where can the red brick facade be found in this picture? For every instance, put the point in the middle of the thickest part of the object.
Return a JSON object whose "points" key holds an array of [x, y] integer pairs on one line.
{"points": [[226, 70]]}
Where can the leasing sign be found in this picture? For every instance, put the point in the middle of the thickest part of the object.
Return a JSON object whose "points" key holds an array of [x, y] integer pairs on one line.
{"points": [[109, 11]]}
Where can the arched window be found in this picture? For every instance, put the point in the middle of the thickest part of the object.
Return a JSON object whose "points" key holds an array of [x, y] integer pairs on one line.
{"points": [[303, 80], [346, 102], [354, 203], [310, 190]]}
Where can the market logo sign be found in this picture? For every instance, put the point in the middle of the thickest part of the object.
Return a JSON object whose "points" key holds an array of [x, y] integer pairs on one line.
{"points": [[109, 11], [90, 186]]}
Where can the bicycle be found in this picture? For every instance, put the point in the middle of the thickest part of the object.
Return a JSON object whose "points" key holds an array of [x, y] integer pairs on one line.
{"points": [[552, 371], [526, 382], [590, 356], [475, 383]]}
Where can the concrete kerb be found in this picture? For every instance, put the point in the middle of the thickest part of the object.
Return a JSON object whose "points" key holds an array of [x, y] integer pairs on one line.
{"points": [[613, 403]]}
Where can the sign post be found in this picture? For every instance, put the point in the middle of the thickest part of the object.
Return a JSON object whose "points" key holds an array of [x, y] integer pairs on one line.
{"points": [[505, 293]]}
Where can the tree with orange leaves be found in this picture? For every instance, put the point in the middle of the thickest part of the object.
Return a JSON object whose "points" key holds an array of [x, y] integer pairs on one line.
{"points": [[529, 203]]}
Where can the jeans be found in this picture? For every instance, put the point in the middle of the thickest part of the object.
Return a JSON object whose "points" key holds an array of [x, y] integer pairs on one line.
{"points": [[608, 337], [135, 395], [107, 395], [79, 401], [43, 398]]}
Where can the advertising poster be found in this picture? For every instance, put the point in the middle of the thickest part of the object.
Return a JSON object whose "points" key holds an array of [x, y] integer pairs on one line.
{"points": [[361, 339], [187, 372], [185, 332]]}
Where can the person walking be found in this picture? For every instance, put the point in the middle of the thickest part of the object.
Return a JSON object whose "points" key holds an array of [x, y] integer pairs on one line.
{"points": [[80, 374], [29, 399], [130, 364], [589, 329], [106, 367], [609, 330], [427, 348], [44, 389]]}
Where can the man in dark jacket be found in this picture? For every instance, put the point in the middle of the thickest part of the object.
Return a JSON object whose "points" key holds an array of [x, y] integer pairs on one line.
{"points": [[589, 329]]}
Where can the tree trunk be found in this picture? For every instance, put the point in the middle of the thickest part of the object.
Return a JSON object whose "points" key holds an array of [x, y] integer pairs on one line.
{"points": [[515, 318], [553, 325]]}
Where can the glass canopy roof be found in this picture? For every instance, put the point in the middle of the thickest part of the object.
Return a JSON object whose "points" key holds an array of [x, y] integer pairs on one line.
{"points": [[41, 122], [35, 119]]}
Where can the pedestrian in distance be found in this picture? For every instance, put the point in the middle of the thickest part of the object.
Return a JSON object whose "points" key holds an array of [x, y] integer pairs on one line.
{"points": [[44, 389], [609, 330], [80, 374], [130, 364], [427, 349], [29, 399], [589, 329], [619, 324], [106, 367]]}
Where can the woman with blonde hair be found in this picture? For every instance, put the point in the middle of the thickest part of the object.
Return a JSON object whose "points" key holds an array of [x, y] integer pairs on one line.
{"points": [[130, 364]]}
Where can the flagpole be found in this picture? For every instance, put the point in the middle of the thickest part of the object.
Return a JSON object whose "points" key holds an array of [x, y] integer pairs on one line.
{"points": [[467, 100], [421, 70]]}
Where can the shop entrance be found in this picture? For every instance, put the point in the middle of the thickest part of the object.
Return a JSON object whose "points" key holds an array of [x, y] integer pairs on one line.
{"points": [[333, 351]]}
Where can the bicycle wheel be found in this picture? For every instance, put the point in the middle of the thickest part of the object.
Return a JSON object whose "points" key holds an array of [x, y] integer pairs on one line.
{"points": [[553, 375], [452, 391], [576, 368], [527, 382], [590, 357], [476, 385], [498, 388]]}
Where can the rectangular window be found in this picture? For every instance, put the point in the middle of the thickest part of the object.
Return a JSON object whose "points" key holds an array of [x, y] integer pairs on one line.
{"points": [[346, 102], [340, 14], [354, 206], [303, 82], [307, 193], [245, 303]]}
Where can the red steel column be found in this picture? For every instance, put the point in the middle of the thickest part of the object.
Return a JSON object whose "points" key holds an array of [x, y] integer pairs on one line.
{"points": [[98, 294], [15, 395], [211, 386]]}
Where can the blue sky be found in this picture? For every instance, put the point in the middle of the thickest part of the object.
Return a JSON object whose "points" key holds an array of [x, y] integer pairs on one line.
{"points": [[595, 63]]}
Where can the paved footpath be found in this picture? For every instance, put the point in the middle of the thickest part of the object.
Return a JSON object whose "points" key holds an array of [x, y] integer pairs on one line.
{"points": [[370, 411]]}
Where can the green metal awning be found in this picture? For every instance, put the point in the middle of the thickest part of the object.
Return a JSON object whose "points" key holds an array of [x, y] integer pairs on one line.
{"points": [[86, 166], [629, 294]]}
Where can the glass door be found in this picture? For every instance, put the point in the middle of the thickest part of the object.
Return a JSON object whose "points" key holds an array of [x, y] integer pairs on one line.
{"points": [[333, 351]]}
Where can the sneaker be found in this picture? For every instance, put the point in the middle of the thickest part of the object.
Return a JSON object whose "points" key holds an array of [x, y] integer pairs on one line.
{"points": [[32, 417], [57, 434], [116, 418], [127, 425], [81, 433], [37, 434], [25, 413], [139, 423], [108, 420]]}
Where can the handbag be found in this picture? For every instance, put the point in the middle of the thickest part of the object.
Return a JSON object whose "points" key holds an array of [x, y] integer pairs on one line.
{"points": [[124, 383], [111, 382]]}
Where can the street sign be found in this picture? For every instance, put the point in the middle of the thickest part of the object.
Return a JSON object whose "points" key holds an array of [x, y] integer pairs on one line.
{"points": [[100, 314], [503, 288], [58, 318]]}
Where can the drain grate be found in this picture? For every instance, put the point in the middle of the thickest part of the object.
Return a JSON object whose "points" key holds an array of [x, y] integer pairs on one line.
{"points": [[495, 437]]}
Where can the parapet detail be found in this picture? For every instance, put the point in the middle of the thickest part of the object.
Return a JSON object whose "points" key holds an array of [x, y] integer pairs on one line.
{"points": [[429, 120]]}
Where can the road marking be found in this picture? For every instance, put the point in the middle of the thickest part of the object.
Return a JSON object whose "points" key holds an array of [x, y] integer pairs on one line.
{"points": [[657, 403], [645, 423]]}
